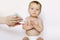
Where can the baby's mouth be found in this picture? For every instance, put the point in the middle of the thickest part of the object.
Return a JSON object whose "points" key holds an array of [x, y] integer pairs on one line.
{"points": [[34, 13]]}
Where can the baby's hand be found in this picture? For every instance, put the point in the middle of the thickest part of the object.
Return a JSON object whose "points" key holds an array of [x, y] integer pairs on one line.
{"points": [[30, 24], [33, 23], [12, 20]]}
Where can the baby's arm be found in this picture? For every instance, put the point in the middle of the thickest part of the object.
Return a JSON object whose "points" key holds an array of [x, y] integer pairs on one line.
{"points": [[39, 27], [26, 26]]}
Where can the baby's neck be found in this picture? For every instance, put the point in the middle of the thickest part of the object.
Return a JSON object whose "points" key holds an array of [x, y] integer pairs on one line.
{"points": [[34, 16]]}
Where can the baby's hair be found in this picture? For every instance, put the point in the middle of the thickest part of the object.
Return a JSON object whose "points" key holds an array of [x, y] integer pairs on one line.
{"points": [[36, 3]]}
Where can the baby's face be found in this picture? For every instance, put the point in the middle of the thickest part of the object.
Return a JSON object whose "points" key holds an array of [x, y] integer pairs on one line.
{"points": [[34, 9]]}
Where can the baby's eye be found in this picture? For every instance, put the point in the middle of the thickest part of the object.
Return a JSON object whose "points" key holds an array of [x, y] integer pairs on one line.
{"points": [[37, 9], [32, 8]]}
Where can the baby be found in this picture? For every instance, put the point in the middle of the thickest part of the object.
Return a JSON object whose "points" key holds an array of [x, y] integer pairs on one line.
{"points": [[33, 24]]}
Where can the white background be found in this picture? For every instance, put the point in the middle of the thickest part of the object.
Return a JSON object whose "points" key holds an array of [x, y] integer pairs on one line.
{"points": [[50, 14]]}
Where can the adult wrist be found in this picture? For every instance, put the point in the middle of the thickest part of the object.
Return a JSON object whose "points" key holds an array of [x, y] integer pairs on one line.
{"points": [[2, 20]]}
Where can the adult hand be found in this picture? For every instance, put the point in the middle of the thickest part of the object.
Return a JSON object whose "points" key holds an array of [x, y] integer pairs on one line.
{"points": [[12, 20]]}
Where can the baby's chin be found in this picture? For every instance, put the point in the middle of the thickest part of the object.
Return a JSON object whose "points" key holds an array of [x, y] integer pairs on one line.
{"points": [[34, 16]]}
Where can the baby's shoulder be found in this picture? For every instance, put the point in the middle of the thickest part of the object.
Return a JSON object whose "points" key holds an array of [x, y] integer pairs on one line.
{"points": [[40, 19], [27, 18]]}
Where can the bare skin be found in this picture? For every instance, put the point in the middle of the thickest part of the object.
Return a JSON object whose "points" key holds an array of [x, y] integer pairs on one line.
{"points": [[11, 21], [40, 38], [25, 38], [33, 27], [33, 24]]}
